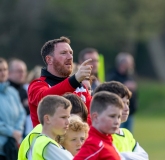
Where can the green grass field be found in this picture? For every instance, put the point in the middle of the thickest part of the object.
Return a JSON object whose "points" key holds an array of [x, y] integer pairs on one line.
{"points": [[149, 126], [150, 133]]}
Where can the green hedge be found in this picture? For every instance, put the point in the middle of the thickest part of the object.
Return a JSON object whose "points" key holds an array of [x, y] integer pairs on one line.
{"points": [[151, 98]]}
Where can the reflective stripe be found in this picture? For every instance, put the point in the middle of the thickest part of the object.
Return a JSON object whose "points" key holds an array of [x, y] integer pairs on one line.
{"points": [[95, 153]]}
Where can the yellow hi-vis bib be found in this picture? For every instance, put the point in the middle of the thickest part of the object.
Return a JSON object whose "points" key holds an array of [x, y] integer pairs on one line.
{"points": [[38, 148], [125, 142], [26, 143]]}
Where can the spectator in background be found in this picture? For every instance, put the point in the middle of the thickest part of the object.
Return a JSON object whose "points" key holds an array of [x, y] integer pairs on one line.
{"points": [[12, 115], [33, 74], [91, 53], [58, 57], [17, 79], [124, 73]]}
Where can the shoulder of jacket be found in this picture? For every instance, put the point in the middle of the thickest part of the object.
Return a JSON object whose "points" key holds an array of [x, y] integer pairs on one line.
{"points": [[95, 142], [36, 81], [12, 91]]}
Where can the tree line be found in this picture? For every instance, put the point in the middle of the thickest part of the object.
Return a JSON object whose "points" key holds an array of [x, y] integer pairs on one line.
{"points": [[109, 26]]}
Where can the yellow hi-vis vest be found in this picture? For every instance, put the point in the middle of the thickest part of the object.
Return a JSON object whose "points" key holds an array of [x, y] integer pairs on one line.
{"points": [[125, 142], [38, 148], [26, 143]]}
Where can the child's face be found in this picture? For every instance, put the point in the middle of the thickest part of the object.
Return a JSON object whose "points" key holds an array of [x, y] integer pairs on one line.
{"points": [[109, 120], [59, 122], [125, 111], [73, 141]]}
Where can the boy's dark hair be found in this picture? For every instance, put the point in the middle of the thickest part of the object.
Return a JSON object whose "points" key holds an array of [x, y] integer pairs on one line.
{"points": [[103, 99], [84, 52], [49, 104], [114, 87], [49, 47], [78, 105]]}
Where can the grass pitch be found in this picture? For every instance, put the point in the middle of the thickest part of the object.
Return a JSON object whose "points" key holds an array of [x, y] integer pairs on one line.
{"points": [[150, 133]]}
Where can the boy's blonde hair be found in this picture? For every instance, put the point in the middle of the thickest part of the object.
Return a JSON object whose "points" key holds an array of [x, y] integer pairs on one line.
{"points": [[49, 104], [103, 99], [76, 124]]}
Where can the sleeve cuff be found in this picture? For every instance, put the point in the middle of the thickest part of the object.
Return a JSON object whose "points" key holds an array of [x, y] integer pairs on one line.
{"points": [[73, 82]]}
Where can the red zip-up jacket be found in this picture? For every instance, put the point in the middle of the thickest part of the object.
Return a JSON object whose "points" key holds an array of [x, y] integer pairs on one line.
{"points": [[86, 97], [48, 84], [98, 146]]}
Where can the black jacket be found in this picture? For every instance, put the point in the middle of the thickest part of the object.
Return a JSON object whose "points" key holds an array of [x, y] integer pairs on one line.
{"points": [[116, 76]]}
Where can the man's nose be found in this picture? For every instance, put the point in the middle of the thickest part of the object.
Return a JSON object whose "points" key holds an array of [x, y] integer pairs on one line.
{"points": [[70, 56]]}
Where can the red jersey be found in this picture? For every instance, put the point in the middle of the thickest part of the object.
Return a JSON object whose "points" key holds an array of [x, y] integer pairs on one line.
{"points": [[97, 146], [84, 94], [48, 84]]}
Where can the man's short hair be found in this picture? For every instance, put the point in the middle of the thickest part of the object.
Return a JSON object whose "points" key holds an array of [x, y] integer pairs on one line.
{"points": [[78, 105], [122, 57], [14, 60], [84, 52], [114, 87], [49, 47], [103, 99], [49, 104]]}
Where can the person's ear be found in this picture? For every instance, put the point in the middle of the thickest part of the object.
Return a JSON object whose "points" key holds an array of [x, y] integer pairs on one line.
{"points": [[47, 119], [94, 117], [49, 59]]}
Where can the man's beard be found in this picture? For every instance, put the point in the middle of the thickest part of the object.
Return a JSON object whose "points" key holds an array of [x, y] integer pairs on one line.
{"points": [[61, 69]]}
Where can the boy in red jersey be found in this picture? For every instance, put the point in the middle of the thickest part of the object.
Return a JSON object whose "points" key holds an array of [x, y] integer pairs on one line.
{"points": [[123, 139], [106, 109]]}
